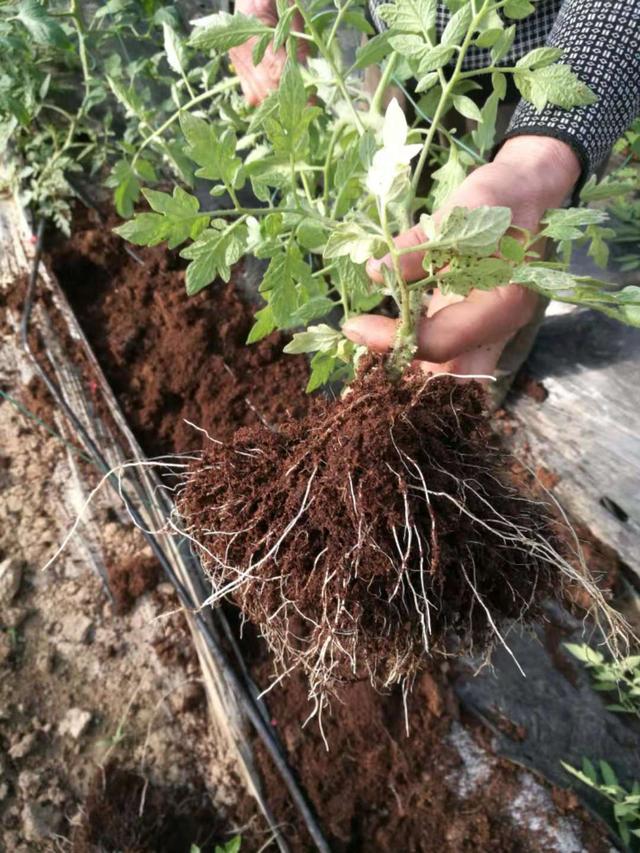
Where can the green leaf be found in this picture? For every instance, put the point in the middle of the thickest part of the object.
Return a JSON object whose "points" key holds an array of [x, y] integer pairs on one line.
{"points": [[466, 274], [568, 223], [473, 232], [488, 38], [466, 107], [322, 366], [174, 49], [434, 58], [427, 82], [406, 44], [504, 44], [264, 324], [484, 134], [540, 57], [292, 97], [512, 249], [213, 152], [350, 239], [353, 280], [260, 48], [176, 219], [42, 27], [553, 84], [457, 27], [448, 178], [373, 51], [222, 31], [608, 775], [410, 16], [213, 255], [286, 271], [518, 9], [321, 338], [125, 181]]}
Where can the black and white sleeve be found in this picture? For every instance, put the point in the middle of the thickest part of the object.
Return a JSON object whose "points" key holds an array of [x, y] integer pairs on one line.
{"points": [[601, 40]]}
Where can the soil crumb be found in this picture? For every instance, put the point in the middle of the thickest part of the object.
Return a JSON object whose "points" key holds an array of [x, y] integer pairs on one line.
{"points": [[170, 357], [131, 578], [355, 568]]}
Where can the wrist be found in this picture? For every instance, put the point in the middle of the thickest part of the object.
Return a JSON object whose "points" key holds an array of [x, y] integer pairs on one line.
{"points": [[548, 167]]}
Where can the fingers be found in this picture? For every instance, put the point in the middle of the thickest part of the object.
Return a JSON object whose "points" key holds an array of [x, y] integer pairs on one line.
{"points": [[480, 320], [410, 264], [257, 81]]}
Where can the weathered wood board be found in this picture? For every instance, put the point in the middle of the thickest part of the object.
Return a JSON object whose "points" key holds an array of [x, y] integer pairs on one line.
{"points": [[587, 431]]}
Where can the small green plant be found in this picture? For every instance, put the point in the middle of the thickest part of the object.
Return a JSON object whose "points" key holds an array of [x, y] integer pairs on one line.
{"points": [[626, 804], [336, 177], [620, 676], [80, 86]]}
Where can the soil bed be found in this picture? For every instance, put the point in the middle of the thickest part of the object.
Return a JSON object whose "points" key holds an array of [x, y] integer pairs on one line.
{"points": [[438, 789]]}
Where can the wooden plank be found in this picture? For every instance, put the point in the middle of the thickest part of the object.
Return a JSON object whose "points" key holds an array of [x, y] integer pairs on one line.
{"points": [[587, 431]]}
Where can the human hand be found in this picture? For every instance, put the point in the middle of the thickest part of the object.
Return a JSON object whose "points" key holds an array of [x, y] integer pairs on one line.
{"points": [[530, 174], [258, 80]]}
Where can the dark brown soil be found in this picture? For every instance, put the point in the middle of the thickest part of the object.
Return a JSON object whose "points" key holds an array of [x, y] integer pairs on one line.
{"points": [[125, 812], [412, 538], [170, 357], [130, 579], [376, 789]]}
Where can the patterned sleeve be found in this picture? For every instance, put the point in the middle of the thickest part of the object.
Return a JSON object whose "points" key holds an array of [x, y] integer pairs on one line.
{"points": [[601, 40]]}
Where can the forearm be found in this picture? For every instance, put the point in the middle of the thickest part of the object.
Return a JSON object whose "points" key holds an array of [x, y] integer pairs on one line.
{"points": [[601, 40]]}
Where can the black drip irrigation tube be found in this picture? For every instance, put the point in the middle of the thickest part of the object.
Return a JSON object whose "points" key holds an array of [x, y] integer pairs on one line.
{"points": [[242, 686]]}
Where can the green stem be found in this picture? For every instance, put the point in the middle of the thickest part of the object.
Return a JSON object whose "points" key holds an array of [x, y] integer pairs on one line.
{"points": [[339, 17], [376, 101], [327, 56], [444, 97], [75, 12], [337, 130]]}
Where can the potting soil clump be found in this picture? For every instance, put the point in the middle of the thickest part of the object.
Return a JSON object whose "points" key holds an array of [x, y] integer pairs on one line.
{"points": [[381, 527]]}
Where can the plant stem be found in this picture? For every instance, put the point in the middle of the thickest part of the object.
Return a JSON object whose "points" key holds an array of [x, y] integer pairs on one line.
{"points": [[376, 101], [341, 13], [455, 76], [75, 13], [337, 130], [326, 55]]}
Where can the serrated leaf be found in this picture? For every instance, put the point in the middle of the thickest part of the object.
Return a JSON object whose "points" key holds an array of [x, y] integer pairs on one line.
{"points": [[457, 26], [351, 240], [434, 58], [448, 178], [263, 325], [322, 366], [260, 48], [362, 294], [43, 28], [175, 219], [321, 338], [222, 31], [213, 152], [568, 223], [213, 255], [473, 232], [173, 48], [556, 84], [373, 51], [465, 275], [406, 44], [518, 9], [540, 57], [410, 16]]}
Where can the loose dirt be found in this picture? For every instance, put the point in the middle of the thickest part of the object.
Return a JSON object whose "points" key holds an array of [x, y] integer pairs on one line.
{"points": [[380, 528], [170, 357], [438, 789]]}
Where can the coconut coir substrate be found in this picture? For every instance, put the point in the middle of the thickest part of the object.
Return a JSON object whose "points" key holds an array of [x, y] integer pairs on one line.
{"points": [[376, 528]]}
